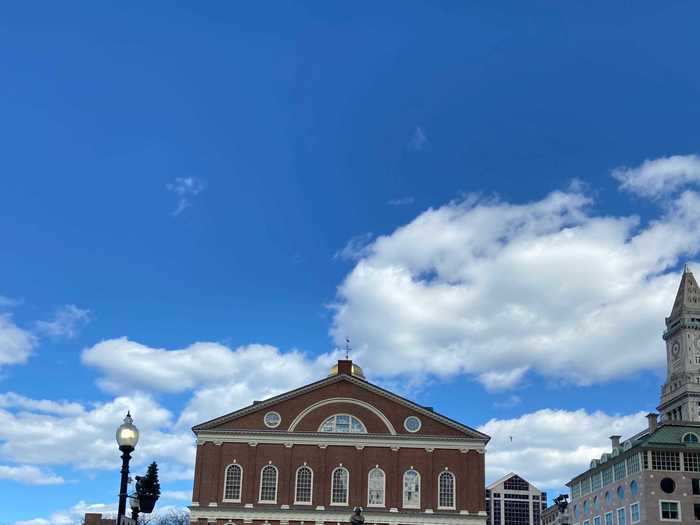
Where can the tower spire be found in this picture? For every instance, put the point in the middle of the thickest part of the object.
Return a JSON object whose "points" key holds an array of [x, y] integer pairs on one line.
{"points": [[688, 295]]}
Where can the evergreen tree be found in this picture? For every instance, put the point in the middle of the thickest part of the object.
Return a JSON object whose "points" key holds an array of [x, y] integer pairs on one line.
{"points": [[149, 485]]}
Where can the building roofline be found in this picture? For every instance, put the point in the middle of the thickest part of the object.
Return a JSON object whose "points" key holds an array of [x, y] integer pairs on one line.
{"points": [[471, 432]]}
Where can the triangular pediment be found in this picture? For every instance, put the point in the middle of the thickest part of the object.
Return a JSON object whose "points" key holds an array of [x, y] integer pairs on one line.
{"points": [[303, 410]]}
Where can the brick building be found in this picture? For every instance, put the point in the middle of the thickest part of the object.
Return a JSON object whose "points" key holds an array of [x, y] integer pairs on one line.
{"points": [[310, 455]]}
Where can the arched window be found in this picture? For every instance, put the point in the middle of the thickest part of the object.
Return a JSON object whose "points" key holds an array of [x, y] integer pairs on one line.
{"points": [[376, 485], [304, 486], [690, 437], [411, 490], [446, 490], [268, 484], [343, 423], [340, 481], [232, 483]]}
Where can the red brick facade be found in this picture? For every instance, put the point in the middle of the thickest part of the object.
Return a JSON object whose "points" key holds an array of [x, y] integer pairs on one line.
{"points": [[242, 438]]}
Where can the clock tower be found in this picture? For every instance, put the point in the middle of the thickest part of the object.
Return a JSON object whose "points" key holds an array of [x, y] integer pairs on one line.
{"points": [[680, 394]]}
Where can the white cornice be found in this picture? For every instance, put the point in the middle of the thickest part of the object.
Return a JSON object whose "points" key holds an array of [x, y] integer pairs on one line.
{"points": [[338, 516], [349, 440]]}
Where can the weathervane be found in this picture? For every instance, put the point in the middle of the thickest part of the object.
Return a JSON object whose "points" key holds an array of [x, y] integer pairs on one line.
{"points": [[347, 348]]}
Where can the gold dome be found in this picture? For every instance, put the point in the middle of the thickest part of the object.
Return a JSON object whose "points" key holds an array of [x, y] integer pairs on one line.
{"points": [[356, 371]]}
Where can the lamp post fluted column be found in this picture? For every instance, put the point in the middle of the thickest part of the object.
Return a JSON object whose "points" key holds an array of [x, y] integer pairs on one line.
{"points": [[126, 457], [127, 437]]}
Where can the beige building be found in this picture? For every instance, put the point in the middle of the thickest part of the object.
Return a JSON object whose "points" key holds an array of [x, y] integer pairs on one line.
{"points": [[514, 501], [553, 515], [654, 476]]}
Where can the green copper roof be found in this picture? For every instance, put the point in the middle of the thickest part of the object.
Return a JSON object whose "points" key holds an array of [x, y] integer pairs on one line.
{"points": [[670, 435]]}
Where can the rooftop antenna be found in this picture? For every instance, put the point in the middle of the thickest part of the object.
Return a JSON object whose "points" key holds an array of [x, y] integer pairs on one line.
{"points": [[685, 268], [347, 348]]}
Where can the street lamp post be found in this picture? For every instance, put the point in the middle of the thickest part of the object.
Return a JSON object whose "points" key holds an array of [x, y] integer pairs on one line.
{"points": [[127, 437]]}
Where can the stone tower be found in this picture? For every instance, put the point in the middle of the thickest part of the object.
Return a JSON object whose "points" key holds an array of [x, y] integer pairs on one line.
{"points": [[680, 394]]}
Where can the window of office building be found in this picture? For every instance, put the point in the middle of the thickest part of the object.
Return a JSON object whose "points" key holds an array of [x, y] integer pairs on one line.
{"points": [[607, 476], [516, 483], [517, 512], [663, 460], [634, 513], [670, 510], [633, 464], [691, 462], [620, 472]]}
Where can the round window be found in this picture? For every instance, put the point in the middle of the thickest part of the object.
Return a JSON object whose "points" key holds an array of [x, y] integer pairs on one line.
{"points": [[668, 485], [634, 487], [412, 424], [272, 419]]}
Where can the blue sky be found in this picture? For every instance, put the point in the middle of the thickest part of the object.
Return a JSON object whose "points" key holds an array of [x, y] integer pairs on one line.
{"points": [[461, 188]]}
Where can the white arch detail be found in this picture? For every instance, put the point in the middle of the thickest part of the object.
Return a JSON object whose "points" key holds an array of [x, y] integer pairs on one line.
{"points": [[351, 401]]}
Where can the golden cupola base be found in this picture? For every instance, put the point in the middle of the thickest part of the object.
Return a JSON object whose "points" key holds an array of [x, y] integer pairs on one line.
{"points": [[346, 366]]}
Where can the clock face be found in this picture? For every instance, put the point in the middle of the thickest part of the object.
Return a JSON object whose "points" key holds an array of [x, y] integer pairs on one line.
{"points": [[675, 350]]}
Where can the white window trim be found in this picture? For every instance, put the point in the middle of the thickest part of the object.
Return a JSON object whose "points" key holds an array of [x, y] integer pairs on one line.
{"points": [[240, 492], [279, 419], [599, 520], [677, 502], [347, 491], [640, 512], [454, 491], [277, 480], [612, 518], [296, 482], [586, 522], [690, 433], [405, 425], [364, 427], [617, 514], [383, 503], [403, 490]]}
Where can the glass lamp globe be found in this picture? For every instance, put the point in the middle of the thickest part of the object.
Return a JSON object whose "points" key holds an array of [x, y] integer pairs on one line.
{"points": [[127, 433]]}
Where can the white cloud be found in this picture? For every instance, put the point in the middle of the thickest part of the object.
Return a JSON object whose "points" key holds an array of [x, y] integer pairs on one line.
{"points": [[186, 188], [65, 408], [512, 401], [128, 364], [490, 288], [7, 302], [222, 379], [549, 447], [658, 177], [16, 344], [29, 475], [419, 139], [66, 323], [39, 438], [356, 248], [163, 514], [73, 515], [502, 380], [177, 495], [402, 201]]}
